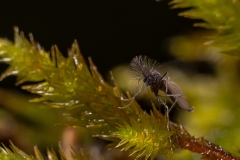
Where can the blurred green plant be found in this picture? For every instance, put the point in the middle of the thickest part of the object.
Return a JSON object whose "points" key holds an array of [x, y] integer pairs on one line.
{"points": [[221, 15], [25, 123]]}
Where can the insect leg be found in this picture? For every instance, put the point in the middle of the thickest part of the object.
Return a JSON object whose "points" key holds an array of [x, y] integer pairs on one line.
{"points": [[176, 96], [128, 99], [166, 109], [161, 101], [132, 99]]}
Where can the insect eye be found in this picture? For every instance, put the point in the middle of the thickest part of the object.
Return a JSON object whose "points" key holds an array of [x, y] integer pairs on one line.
{"points": [[145, 79]]}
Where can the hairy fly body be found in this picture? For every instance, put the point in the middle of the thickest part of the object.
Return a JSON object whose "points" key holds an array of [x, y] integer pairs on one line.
{"points": [[146, 69]]}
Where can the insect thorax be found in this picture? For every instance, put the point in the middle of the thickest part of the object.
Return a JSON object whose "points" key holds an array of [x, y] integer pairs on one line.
{"points": [[155, 80]]}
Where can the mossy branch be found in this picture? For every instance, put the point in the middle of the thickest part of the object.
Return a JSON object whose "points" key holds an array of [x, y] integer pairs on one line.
{"points": [[93, 104]]}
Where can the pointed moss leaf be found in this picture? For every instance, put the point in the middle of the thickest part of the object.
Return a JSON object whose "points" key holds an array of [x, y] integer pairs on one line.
{"points": [[61, 151], [14, 154], [17, 150], [79, 156], [38, 154], [52, 154]]}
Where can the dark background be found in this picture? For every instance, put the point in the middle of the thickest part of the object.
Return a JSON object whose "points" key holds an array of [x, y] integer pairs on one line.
{"points": [[111, 32]]}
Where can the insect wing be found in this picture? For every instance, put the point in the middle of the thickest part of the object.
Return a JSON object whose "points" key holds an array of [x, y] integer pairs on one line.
{"points": [[182, 103]]}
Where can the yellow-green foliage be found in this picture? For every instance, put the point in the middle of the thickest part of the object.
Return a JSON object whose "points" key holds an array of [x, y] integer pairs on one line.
{"points": [[222, 15], [148, 135], [17, 154], [26, 54]]}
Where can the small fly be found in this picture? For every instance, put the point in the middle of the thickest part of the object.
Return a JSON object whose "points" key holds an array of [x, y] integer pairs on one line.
{"points": [[144, 68]]}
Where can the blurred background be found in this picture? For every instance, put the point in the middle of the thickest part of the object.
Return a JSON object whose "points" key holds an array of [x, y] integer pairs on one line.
{"points": [[112, 33]]}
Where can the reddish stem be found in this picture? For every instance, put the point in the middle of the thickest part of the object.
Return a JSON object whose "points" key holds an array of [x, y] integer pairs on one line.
{"points": [[201, 146]]}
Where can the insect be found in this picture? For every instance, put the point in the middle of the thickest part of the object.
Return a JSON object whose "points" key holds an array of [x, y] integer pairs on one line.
{"points": [[146, 69]]}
